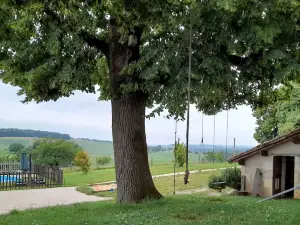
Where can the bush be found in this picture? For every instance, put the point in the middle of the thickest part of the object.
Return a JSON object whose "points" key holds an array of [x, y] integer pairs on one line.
{"points": [[232, 176], [103, 160], [180, 152], [213, 182], [54, 152], [9, 158], [16, 148], [82, 160]]}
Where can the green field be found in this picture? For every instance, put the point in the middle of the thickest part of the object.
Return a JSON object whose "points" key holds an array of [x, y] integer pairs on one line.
{"points": [[6, 141], [96, 149], [173, 210]]}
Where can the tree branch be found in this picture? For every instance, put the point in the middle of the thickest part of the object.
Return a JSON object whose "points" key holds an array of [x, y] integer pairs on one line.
{"points": [[92, 41], [242, 61]]}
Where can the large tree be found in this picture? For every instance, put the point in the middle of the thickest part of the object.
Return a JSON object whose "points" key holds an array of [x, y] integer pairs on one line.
{"points": [[137, 52], [280, 116]]}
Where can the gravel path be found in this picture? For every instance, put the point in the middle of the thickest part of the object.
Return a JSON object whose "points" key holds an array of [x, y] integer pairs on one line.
{"points": [[38, 198]]}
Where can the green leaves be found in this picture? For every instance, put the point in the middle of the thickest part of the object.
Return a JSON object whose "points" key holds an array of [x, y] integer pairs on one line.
{"points": [[241, 49], [54, 152], [281, 116]]}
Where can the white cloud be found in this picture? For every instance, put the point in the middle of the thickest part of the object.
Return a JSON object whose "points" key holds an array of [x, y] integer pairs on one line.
{"points": [[82, 115]]}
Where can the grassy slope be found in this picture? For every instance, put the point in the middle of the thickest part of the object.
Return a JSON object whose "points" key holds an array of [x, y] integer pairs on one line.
{"points": [[175, 210], [98, 149], [76, 178], [5, 142]]}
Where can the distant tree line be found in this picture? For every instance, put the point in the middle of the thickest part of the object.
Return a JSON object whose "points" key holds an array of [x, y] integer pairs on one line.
{"points": [[95, 140], [12, 132]]}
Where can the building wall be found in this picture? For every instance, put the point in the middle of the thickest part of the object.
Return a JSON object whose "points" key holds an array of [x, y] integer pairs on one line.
{"points": [[297, 177], [265, 164]]}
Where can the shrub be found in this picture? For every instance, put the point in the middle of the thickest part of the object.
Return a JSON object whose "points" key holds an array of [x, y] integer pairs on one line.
{"points": [[232, 176], [82, 160], [9, 158], [213, 182], [103, 160], [16, 148], [54, 152], [180, 154]]}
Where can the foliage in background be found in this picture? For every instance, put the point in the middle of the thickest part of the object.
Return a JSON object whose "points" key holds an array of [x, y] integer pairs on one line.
{"points": [[13, 132], [16, 148], [281, 116], [54, 152], [180, 154], [6, 158], [82, 160], [103, 160], [217, 156]]}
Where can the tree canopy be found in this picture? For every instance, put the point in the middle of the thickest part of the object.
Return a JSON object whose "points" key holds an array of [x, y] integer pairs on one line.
{"points": [[281, 116], [54, 152], [16, 148], [240, 49]]}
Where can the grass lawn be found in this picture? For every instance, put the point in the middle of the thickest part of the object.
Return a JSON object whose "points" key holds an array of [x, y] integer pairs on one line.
{"points": [[174, 210], [163, 184], [76, 178]]}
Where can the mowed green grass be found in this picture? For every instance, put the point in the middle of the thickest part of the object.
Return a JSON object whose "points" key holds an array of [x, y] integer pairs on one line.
{"points": [[173, 210], [165, 185], [77, 178]]}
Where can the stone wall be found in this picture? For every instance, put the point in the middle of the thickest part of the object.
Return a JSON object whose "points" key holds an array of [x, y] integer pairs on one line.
{"points": [[265, 164]]}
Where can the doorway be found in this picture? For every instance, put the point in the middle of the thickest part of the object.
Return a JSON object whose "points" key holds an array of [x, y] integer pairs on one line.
{"points": [[289, 175], [283, 175]]}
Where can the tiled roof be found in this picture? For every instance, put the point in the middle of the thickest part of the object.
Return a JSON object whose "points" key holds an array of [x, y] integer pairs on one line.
{"points": [[265, 146]]}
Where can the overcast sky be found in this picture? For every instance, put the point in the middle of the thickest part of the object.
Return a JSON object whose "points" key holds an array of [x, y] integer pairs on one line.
{"points": [[83, 116]]}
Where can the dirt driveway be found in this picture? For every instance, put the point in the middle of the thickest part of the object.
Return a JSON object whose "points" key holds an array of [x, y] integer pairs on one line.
{"points": [[38, 198]]}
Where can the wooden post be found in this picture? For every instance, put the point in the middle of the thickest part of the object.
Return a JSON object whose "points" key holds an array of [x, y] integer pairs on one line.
{"points": [[175, 144], [234, 150]]}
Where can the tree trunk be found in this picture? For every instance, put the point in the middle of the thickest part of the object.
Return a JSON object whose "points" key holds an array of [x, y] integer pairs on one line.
{"points": [[134, 180]]}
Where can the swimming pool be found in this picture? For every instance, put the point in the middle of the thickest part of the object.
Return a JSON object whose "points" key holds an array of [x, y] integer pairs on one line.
{"points": [[6, 178]]}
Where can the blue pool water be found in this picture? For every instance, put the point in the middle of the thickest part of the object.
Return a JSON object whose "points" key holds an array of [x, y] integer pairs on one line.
{"points": [[6, 178]]}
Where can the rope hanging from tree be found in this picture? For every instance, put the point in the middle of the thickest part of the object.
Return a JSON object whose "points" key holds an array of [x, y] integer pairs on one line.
{"points": [[214, 136], [187, 172], [227, 119], [202, 143], [175, 145], [227, 136]]}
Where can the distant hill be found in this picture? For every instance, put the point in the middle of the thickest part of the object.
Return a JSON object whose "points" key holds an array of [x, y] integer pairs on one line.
{"points": [[14, 132], [95, 140], [158, 154], [204, 149]]}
